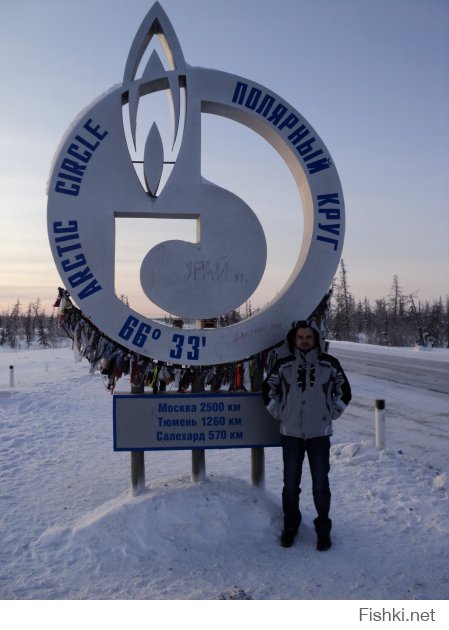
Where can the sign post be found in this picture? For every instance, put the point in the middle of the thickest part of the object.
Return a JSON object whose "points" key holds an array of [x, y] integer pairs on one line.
{"points": [[137, 457]]}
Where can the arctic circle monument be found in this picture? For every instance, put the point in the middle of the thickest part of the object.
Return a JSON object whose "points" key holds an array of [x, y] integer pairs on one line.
{"points": [[94, 182]]}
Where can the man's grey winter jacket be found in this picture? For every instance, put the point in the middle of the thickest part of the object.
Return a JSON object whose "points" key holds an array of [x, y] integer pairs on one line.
{"points": [[306, 391]]}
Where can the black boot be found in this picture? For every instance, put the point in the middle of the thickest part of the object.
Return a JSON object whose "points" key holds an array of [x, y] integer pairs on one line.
{"points": [[324, 542], [323, 528], [288, 537]]}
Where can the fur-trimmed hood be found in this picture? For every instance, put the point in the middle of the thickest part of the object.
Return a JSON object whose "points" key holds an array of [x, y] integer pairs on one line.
{"points": [[321, 343]]}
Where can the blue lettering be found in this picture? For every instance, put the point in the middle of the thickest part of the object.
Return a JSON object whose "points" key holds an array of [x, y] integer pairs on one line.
{"points": [[139, 331], [299, 134], [266, 105], [239, 93], [70, 166], [60, 228], [73, 170], [319, 165], [332, 214], [68, 248], [278, 113], [310, 156], [332, 241], [306, 147], [253, 98], [74, 151], [68, 231], [289, 122], [61, 188], [90, 289], [95, 130], [80, 277], [333, 228], [194, 341], [327, 198], [86, 143], [69, 265], [282, 119]]}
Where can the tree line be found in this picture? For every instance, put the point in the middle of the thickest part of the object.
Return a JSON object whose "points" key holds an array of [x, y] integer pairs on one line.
{"points": [[398, 319], [23, 327]]}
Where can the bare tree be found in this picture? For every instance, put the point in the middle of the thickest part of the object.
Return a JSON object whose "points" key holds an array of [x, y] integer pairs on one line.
{"points": [[344, 311], [416, 315]]}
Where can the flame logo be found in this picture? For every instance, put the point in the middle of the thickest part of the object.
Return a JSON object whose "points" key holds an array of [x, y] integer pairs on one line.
{"points": [[146, 74], [220, 270]]}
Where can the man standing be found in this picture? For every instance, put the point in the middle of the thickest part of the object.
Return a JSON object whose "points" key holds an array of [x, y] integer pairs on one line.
{"points": [[306, 390]]}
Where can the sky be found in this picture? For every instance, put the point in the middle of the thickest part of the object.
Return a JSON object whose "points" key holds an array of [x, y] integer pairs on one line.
{"points": [[371, 76]]}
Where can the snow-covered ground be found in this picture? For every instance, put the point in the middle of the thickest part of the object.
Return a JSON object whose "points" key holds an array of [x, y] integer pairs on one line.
{"points": [[71, 528]]}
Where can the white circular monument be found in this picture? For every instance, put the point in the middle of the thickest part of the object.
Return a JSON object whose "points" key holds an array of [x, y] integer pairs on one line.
{"points": [[94, 182]]}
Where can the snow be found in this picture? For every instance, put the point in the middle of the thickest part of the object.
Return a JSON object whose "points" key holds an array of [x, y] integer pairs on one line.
{"points": [[415, 352], [72, 529]]}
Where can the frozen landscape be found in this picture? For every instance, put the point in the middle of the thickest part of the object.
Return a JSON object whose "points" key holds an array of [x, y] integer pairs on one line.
{"points": [[71, 528]]}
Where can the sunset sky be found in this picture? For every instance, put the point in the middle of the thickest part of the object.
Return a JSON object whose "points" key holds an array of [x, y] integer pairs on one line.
{"points": [[371, 76]]}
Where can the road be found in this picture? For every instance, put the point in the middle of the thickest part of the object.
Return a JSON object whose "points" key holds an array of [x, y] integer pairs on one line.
{"points": [[415, 388], [425, 373]]}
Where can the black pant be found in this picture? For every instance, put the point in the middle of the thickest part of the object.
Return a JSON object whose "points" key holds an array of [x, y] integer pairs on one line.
{"points": [[293, 451]]}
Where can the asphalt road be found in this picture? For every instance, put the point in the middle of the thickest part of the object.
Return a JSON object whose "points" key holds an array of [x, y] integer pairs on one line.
{"points": [[416, 394], [425, 374]]}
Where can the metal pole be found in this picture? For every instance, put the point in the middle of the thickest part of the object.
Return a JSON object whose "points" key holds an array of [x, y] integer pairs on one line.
{"points": [[258, 466], [257, 453], [380, 423], [137, 458], [198, 455], [137, 472], [11, 376], [198, 465]]}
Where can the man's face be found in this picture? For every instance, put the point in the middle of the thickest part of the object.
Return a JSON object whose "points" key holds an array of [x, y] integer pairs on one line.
{"points": [[305, 339]]}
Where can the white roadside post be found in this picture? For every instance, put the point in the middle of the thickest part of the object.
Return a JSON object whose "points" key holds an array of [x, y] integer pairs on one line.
{"points": [[11, 376], [380, 423]]}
